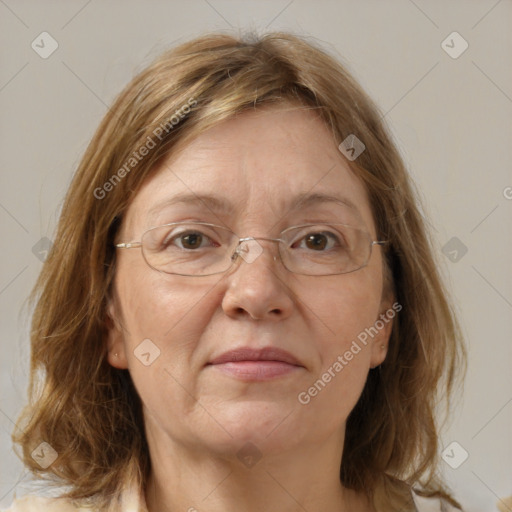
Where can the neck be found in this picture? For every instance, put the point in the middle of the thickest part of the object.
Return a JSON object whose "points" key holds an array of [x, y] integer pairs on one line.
{"points": [[192, 479]]}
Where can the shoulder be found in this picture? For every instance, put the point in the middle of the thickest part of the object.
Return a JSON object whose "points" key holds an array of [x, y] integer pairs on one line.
{"points": [[39, 504], [131, 500]]}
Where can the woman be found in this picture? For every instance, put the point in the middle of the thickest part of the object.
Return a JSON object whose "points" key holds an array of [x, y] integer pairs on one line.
{"points": [[241, 310]]}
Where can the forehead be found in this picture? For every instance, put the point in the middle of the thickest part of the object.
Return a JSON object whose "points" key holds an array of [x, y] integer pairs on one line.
{"points": [[257, 167]]}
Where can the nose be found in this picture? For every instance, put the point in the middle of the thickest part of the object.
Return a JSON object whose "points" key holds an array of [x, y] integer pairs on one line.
{"points": [[257, 284]]}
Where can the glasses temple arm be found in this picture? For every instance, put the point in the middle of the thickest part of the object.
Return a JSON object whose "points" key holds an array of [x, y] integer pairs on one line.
{"points": [[128, 245]]}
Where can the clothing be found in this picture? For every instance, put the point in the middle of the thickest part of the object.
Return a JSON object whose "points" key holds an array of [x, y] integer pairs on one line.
{"points": [[132, 502]]}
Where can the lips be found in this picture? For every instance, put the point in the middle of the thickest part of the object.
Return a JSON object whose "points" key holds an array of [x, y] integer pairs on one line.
{"points": [[251, 354], [256, 365]]}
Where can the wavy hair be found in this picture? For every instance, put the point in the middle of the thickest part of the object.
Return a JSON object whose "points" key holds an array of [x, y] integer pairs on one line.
{"points": [[90, 413]]}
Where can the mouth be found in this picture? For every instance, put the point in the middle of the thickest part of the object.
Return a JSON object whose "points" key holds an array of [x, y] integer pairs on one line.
{"points": [[256, 364]]}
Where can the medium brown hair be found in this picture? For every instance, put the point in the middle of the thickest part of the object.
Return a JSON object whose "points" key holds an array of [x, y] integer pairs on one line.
{"points": [[90, 413]]}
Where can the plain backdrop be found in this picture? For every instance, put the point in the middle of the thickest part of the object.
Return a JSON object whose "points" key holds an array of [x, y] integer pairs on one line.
{"points": [[449, 110]]}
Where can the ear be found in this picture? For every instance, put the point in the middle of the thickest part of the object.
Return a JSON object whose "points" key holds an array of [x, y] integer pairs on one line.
{"points": [[116, 352], [383, 325]]}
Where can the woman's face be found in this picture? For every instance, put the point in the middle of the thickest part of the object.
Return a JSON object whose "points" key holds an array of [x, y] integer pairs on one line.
{"points": [[256, 166]]}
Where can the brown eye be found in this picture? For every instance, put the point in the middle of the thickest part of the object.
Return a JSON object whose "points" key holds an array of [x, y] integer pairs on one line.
{"points": [[317, 241], [190, 240]]}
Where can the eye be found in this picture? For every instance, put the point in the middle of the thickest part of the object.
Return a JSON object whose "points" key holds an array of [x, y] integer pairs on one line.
{"points": [[319, 241], [190, 240]]}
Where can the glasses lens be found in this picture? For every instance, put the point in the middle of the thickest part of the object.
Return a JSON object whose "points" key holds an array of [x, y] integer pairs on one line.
{"points": [[189, 248], [325, 249]]}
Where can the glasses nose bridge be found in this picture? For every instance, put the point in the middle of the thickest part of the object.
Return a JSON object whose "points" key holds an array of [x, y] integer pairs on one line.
{"points": [[248, 238], [241, 241]]}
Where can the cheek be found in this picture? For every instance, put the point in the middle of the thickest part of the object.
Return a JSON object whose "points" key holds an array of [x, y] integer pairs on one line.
{"points": [[345, 307], [173, 315], [165, 309]]}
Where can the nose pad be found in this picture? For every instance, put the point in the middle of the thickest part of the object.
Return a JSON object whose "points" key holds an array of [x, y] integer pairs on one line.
{"points": [[248, 249]]}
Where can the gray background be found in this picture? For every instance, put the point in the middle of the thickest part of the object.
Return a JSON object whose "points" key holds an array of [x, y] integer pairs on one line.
{"points": [[451, 117]]}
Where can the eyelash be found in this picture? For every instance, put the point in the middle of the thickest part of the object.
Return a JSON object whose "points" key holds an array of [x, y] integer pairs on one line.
{"points": [[168, 240]]}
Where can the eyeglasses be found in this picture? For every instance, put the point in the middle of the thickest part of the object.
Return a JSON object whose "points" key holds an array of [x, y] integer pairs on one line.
{"points": [[203, 249]]}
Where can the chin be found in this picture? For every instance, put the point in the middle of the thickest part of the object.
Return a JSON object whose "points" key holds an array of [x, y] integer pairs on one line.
{"points": [[261, 423]]}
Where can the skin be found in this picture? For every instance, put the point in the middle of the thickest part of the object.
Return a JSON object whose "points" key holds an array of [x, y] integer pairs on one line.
{"points": [[197, 418]]}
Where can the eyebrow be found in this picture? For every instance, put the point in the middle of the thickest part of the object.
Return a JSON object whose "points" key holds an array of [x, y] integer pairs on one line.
{"points": [[306, 199], [219, 204], [212, 202]]}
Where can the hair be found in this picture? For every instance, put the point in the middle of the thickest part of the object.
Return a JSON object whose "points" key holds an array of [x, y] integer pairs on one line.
{"points": [[90, 412]]}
